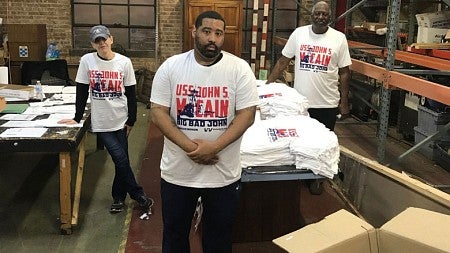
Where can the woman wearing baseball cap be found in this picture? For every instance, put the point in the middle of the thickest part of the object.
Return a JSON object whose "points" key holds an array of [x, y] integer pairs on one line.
{"points": [[108, 77]]}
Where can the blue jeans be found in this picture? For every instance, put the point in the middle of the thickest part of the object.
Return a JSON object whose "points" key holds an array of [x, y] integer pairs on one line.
{"points": [[178, 207], [124, 181]]}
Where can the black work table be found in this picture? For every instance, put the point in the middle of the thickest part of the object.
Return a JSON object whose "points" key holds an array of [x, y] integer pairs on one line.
{"points": [[276, 173], [269, 204], [64, 141]]}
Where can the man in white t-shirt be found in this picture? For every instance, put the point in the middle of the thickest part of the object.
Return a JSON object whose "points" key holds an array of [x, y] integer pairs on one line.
{"points": [[322, 63], [322, 72], [202, 101]]}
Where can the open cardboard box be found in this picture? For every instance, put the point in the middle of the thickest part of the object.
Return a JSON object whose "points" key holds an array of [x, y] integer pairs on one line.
{"points": [[414, 230]]}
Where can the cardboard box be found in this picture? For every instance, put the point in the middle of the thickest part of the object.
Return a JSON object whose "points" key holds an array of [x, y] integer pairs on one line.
{"points": [[439, 19], [415, 230], [15, 71], [27, 32], [2, 103], [16, 91], [27, 51], [27, 42], [430, 35]]}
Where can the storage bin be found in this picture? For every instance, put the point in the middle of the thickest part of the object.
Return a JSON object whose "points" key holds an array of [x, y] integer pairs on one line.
{"points": [[430, 121], [442, 156]]}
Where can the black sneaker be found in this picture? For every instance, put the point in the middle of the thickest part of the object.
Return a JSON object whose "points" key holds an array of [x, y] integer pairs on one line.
{"points": [[117, 206], [145, 203]]}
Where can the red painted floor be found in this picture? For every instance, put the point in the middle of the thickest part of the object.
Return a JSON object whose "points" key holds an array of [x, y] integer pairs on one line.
{"points": [[268, 209]]}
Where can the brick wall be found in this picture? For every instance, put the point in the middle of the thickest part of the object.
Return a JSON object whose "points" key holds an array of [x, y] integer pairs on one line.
{"points": [[56, 14], [170, 27]]}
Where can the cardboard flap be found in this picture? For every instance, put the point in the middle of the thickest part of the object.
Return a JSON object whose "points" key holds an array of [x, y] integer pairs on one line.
{"points": [[338, 232], [416, 230]]}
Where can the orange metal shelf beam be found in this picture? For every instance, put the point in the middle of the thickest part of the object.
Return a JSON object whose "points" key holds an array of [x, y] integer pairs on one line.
{"points": [[439, 53], [395, 79], [418, 59], [413, 84]]}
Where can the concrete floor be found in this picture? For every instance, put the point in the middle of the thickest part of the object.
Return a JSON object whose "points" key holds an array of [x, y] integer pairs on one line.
{"points": [[360, 137], [29, 200], [29, 196]]}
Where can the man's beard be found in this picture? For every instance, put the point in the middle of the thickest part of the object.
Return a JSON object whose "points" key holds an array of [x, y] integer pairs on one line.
{"points": [[322, 23], [205, 52]]}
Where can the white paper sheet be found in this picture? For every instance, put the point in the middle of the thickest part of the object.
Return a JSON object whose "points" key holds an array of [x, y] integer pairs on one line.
{"points": [[38, 123], [70, 89], [66, 98], [54, 123], [67, 109], [18, 117], [52, 88], [23, 132], [21, 124]]}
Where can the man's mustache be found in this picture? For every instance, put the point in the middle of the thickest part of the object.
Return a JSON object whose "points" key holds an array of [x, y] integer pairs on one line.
{"points": [[211, 44]]}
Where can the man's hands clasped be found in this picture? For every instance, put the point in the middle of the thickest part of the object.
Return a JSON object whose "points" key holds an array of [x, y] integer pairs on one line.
{"points": [[205, 153]]}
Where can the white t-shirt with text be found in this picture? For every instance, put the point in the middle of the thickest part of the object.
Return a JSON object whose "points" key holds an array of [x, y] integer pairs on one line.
{"points": [[318, 58], [203, 101], [107, 81]]}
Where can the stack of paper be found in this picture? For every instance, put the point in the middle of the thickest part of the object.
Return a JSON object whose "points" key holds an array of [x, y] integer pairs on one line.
{"points": [[16, 91]]}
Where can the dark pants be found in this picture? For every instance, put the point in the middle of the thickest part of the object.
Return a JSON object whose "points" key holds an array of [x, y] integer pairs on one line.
{"points": [[124, 181], [326, 116], [178, 207]]}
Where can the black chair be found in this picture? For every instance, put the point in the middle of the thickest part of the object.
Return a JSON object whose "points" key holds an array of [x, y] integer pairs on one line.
{"points": [[54, 72]]}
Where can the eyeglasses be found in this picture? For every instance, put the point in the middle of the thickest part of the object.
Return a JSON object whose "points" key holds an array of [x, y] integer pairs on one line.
{"points": [[100, 39]]}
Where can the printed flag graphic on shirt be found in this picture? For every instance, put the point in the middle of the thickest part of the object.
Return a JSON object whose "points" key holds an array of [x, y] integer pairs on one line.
{"points": [[202, 107], [314, 58], [105, 84]]}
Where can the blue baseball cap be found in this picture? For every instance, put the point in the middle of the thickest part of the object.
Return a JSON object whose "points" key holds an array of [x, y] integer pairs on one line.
{"points": [[99, 31]]}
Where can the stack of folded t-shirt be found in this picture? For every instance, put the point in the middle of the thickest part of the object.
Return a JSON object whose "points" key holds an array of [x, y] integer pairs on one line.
{"points": [[316, 148], [277, 99], [262, 145], [291, 140]]}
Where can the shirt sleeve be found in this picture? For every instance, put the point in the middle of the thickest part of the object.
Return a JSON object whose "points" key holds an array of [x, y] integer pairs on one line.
{"points": [[82, 72], [161, 91], [345, 59], [130, 93], [81, 100], [130, 77], [247, 94], [290, 47]]}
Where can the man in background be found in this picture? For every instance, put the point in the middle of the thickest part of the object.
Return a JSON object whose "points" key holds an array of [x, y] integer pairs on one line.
{"points": [[322, 62]]}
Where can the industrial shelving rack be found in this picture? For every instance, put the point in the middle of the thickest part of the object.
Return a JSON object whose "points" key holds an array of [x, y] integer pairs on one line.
{"points": [[392, 78]]}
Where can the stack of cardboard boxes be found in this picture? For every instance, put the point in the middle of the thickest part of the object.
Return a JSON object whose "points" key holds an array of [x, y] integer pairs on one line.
{"points": [[432, 27]]}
